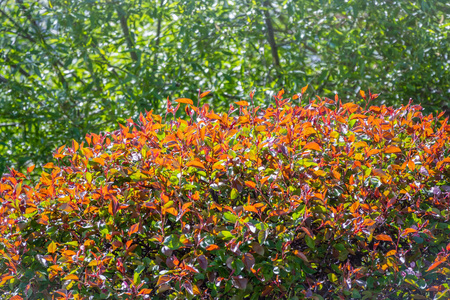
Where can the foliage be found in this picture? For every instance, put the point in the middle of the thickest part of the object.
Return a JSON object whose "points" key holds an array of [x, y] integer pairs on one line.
{"points": [[74, 67], [315, 201]]}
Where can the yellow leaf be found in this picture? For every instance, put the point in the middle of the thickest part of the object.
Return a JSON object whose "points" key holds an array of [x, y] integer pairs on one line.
{"points": [[52, 247], [390, 253], [184, 100]]}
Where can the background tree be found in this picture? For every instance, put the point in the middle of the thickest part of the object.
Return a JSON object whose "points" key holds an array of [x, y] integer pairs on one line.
{"points": [[73, 67]]}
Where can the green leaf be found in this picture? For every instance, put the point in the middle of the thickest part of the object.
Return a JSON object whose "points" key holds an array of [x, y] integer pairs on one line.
{"points": [[173, 242], [230, 217], [234, 194]]}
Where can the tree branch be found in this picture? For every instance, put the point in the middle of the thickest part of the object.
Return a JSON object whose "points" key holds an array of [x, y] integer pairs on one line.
{"points": [[158, 35], [126, 32], [271, 36]]}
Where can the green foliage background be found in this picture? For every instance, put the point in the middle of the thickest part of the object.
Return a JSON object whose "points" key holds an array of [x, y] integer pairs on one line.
{"points": [[72, 67]]}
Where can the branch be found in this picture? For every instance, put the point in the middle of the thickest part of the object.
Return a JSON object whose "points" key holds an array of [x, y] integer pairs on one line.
{"points": [[3, 79], [158, 35], [126, 32], [26, 35], [271, 36]]}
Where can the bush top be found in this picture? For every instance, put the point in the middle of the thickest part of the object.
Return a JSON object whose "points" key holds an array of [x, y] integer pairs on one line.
{"points": [[308, 201]]}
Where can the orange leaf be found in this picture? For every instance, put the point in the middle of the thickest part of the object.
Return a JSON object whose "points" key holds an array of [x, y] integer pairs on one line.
{"points": [[368, 222], [250, 208], [30, 169], [71, 277], [242, 103], [48, 165], [171, 211], [436, 263], [363, 94], [392, 149], [133, 229], [304, 89], [145, 291], [312, 146], [196, 163], [250, 184], [163, 279], [372, 152], [212, 247], [358, 116], [280, 94], [184, 100], [409, 230], [204, 94], [411, 165], [383, 237]]}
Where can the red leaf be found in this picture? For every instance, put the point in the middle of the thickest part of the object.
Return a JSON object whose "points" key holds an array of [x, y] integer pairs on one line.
{"points": [[202, 262], [248, 260], [301, 255], [240, 282], [308, 232]]}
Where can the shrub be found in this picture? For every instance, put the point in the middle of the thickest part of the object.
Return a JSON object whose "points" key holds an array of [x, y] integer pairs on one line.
{"points": [[317, 201]]}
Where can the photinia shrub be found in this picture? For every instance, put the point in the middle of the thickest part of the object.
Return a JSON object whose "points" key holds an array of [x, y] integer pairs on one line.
{"points": [[320, 201]]}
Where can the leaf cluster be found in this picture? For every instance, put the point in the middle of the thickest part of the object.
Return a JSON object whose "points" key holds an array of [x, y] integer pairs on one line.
{"points": [[320, 200]]}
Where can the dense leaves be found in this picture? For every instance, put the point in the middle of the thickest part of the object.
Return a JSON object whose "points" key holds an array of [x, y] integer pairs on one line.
{"points": [[74, 67], [319, 200]]}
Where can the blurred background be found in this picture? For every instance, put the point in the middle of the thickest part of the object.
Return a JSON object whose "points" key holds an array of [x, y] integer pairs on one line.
{"points": [[70, 67]]}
